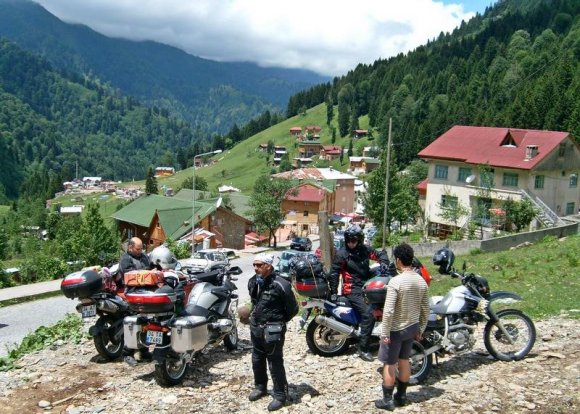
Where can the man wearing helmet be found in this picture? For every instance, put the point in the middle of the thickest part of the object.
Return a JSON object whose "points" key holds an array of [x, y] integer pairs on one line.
{"points": [[352, 263]]}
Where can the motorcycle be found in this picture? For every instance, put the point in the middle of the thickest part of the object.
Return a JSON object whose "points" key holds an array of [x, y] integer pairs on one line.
{"points": [[97, 293], [508, 335], [182, 319]]}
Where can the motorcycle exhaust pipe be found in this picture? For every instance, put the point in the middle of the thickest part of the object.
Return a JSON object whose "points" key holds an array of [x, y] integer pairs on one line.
{"points": [[107, 306], [335, 325], [222, 325]]}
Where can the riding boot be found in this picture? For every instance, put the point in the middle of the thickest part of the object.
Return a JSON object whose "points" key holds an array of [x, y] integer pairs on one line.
{"points": [[386, 403], [400, 397], [258, 392]]}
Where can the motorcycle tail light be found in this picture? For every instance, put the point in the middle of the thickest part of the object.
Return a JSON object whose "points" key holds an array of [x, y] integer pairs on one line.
{"points": [[149, 299], [155, 327], [73, 280]]}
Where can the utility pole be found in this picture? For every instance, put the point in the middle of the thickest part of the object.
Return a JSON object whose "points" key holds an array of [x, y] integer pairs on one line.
{"points": [[385, 227]]}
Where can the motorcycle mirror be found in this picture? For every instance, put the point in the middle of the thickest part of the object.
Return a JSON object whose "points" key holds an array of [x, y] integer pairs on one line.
{"points": [[235, 270]]}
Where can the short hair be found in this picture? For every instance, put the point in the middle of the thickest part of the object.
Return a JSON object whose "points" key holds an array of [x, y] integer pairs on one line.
{"points": [[404, 253]]}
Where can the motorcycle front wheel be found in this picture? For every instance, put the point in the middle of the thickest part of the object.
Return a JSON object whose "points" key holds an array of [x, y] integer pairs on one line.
{"points": [[324, 341], [421, 363], [105, 342], [171, 371], [521, 331]]}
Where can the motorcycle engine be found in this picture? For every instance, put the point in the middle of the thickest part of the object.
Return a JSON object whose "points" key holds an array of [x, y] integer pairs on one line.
{"points": [[461, 339]]}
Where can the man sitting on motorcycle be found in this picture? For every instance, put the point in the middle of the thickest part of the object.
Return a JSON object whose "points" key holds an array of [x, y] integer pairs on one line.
{"points": [[352, 263], [133, 259]]}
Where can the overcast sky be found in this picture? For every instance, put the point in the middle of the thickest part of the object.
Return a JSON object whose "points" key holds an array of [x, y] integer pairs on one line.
{"points": [[326, 36]]}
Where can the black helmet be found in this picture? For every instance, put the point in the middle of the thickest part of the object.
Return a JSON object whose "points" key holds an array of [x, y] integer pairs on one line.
{"points": [[353, 233], [444, 258]]}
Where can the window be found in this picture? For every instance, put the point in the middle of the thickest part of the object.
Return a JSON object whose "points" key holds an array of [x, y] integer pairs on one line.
{"points": [[463, 174], [448, 201], [306, 213], [441, 172], [573, 180], [510, 180], [569, 208], [562, 150], [539, 182]]}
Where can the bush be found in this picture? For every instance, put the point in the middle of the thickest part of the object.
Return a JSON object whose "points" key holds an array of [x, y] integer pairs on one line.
{"points": [[42, 268]]}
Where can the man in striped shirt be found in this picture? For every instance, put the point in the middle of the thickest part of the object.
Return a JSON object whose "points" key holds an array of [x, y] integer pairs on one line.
{"points": [[404, 318]]}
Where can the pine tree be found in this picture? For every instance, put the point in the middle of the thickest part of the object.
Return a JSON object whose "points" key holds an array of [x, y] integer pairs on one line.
{"points": [[151, 183]]}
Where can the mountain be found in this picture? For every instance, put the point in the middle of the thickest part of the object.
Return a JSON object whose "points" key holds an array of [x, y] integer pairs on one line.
{"points": [[50, 123], [517, 65], [210, 95]]}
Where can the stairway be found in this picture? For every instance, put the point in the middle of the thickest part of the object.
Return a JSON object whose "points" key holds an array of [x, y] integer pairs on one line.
{"points": [[545, 215]]}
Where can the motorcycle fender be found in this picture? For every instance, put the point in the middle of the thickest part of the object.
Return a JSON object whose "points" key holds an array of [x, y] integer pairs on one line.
{"points": [[504, 296], [159, 355], [95, 330]]}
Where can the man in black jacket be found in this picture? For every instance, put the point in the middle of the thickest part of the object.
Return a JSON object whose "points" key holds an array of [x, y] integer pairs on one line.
{"points": [[352, 263], [274, 305], [133, 259]]}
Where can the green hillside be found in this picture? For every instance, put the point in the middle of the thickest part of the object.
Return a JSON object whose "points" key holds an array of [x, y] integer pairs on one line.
{"points": [[242, 164]]}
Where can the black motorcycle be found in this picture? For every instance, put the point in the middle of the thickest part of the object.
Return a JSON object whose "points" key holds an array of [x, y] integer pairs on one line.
{"points": [[98, 297]]}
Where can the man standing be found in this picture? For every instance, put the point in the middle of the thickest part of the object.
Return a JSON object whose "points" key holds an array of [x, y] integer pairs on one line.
{"points": [[352, 263], [274, 305], [133, 259], [405, 318]]}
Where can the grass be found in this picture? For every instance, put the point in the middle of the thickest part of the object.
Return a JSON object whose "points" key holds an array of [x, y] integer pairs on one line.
{"points": [[546, 275], [70, 328]]}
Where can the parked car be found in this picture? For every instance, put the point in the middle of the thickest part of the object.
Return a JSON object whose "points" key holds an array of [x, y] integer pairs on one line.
{"points": [[301, 243], [205, 260]]}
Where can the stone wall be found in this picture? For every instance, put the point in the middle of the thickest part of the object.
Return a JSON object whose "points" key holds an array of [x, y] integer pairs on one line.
{"points": [[495, 244]]}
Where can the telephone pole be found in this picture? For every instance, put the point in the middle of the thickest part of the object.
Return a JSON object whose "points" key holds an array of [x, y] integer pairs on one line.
{"points": [[385, 227]]}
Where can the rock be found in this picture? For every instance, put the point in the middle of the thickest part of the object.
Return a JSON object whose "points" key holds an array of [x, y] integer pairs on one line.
{"points": [[44, 404]]}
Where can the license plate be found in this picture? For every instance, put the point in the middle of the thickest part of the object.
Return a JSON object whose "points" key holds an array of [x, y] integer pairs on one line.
{"points": [[88, 310], [154, 337]]}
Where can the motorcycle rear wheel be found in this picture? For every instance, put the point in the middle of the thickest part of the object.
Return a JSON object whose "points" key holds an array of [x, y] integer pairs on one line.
{"points": [[320, 340], [171, 371], [231, 339], [105, 345], [521, 330], [421, 364]]}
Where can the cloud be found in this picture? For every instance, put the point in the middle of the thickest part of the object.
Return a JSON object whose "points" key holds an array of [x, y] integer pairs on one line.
{"points": [[325, 36]]}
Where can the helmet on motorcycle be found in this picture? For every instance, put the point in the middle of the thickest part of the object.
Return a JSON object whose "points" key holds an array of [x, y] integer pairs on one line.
{"points": [[444, 258], [163, 257], [353, 233]]}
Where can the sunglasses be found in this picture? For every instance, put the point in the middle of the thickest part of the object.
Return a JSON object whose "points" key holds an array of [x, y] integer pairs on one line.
{"points": [[258, 264]]}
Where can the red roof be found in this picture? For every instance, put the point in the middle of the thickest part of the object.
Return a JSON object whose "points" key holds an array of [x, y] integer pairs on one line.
{"points": [[332, 149], [500, 147], [308, 192], [297, 129], [422, 186]]}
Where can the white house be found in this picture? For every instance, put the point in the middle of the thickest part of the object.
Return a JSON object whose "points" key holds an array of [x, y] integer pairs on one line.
{"points": [[542, 166]]}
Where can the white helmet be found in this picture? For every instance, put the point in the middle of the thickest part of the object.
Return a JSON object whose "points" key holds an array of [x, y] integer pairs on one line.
{"points": [[163, 257]]}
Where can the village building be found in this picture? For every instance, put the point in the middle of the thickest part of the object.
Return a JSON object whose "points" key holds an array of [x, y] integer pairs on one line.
{"points": [[508, 163]]}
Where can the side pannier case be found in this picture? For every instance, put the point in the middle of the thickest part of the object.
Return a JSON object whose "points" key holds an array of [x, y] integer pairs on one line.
{"points": [[81, 284], [189, 334], [131, 331]]}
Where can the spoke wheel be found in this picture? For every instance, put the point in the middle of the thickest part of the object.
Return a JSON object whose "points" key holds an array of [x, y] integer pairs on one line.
{"points": [[521, 331], [421, 364]]}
